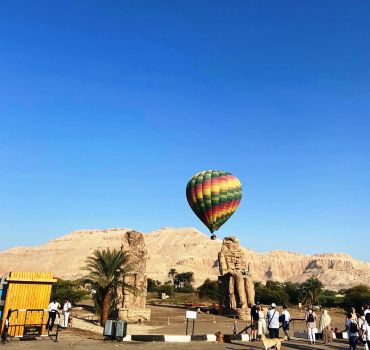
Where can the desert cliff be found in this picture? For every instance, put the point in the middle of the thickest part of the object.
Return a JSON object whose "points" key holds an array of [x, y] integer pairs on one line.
{"points": [[185, 249]]}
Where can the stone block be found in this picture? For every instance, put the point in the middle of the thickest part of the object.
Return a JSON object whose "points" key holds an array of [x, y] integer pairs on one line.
{"points": [[134, 315]]}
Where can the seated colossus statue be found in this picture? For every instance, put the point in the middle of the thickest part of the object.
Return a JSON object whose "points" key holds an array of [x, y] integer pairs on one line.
{"points": [[237, 288]]}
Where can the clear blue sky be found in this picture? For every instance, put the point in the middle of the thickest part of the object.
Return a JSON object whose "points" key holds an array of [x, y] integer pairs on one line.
{"points": [[107, 108]]}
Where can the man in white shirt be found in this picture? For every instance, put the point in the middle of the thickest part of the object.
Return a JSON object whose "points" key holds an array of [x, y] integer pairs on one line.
{"points": [[53, 308], [273, 321], [66, 312], [285, 321]]}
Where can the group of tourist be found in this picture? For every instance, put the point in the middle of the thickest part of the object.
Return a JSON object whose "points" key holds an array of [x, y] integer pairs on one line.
{"points": [[261, 322], [358, 328], [357, 325]]}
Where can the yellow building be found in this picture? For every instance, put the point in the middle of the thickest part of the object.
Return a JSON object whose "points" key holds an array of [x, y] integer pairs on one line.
{"points": [[29, 293]]}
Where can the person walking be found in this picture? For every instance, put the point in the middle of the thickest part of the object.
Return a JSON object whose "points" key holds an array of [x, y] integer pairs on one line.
{"points": [[52, 308], [262, 328], [325, 327], [273, 321], [285, 319], [66, 312], [311, 325], [352, 331]]}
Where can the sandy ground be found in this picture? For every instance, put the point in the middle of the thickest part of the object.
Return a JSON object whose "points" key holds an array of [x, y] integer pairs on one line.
{"points": [[77, 339], [168, 320], [171, 320]]}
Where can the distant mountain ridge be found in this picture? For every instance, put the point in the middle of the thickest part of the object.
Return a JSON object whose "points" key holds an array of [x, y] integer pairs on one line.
{"points": [[185, 249]]}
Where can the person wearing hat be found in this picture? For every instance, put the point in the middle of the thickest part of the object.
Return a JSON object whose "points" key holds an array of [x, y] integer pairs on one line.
{"points": [[273, 321]]}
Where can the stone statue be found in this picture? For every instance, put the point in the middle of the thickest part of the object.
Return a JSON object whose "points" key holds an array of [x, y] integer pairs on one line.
{"points": [[237, 286], [132, 305]]}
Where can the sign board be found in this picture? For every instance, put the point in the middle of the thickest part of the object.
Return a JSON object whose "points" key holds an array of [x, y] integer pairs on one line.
{"points": [[192, 315], [32, 331]]}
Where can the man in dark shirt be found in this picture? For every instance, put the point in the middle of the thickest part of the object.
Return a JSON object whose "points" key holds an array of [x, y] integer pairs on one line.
{"points": [[254, 321]]}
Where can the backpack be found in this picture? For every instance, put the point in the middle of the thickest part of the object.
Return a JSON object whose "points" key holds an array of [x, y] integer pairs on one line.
{"points": [[353, 328], [282, 318], [310, 317]]}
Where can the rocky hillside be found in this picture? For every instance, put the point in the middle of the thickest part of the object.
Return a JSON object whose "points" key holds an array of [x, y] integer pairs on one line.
{"points": [[184, 249]]}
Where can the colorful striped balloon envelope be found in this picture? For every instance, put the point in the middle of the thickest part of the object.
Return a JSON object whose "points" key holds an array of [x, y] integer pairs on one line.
{"points": [[214, 196]]}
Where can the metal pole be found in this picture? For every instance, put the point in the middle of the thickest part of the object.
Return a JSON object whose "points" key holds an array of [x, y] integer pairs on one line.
{"points": [[192, 333], [187, 323]]}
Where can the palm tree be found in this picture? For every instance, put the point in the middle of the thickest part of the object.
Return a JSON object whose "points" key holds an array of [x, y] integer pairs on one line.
{"points": [[172, 274], [106, 270], [310, 291], [185, 278]]}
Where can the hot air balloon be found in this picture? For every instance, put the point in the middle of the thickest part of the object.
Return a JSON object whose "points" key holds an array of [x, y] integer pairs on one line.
{"points": [[214, 196]]}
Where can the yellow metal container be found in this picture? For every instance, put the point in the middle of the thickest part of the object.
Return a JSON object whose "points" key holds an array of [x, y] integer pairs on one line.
{"points": [[27, 290]]}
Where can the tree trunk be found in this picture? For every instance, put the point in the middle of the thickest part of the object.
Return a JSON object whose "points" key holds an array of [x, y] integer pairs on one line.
{"points": [[105, 311]]}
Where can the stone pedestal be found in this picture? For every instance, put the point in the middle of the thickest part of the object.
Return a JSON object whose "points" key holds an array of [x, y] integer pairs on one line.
{"points": [[134, 315], [240, 314]]}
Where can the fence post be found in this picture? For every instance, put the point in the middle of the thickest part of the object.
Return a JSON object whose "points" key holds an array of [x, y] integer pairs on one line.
{"points": [[168, 320]]}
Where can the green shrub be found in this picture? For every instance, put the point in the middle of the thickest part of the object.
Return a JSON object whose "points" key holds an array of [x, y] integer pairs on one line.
{"points": [[209, 290], [70, 290], [153, 285], [168, 289], [292, 289], [272, 292], [327, 298], [356, 297], [187, 288]]}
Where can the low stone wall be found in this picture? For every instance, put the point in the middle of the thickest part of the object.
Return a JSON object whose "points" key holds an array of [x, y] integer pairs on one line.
{"points": [[185, 338], [304, 335]]}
